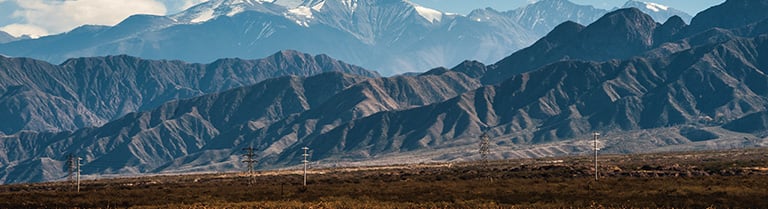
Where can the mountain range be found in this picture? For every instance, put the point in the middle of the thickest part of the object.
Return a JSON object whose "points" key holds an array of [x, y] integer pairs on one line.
{"points": [[646, 86], [86, 92], [391, 37]]}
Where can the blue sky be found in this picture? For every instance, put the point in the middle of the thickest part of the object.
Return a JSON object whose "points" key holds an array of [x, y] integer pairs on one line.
{"points": [[43, 17]]}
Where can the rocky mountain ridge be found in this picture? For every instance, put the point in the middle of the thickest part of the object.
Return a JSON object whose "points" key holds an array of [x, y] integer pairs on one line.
{"points": [[86, 92], [195, 132]]}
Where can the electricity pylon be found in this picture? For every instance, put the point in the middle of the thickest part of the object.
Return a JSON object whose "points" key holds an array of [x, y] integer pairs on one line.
{"points": [[249, 159]]}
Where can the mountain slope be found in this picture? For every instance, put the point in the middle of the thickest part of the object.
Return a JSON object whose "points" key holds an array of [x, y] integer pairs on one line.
{"points": [[711, 85], [358, 101], [739, 13], [88, 92], [178, 135], [139, 142], [617, 35]]}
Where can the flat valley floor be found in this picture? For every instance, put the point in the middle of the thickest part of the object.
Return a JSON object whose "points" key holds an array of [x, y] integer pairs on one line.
{"points": [[712, 179]]}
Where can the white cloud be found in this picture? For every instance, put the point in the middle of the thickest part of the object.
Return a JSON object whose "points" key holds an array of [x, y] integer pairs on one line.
{"points": [[44, 17], [19, 30]]}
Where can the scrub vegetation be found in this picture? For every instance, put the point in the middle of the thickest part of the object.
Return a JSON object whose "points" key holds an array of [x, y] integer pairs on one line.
{"points": [[721, 179]]}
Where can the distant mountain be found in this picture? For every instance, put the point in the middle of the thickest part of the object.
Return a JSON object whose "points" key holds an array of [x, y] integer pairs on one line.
{"points": [[388, 36], [215, 8], [391, 37], [88, 92], [659, 12], [617, 35], [729, 15], [542, 16], [570, 99], [5, 37]]}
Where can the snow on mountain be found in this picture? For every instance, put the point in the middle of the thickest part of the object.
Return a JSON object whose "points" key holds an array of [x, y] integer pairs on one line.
{"points": [[659, 12], [544, 15], [391, 36], [429, 14], [211, 9], [655, 7], [302, 15]]}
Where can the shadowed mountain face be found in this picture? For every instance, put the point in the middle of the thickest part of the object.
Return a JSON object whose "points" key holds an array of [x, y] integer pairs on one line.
{"points": [[88, 92], [720, 82], [756, 123], [617, 35], [625, 33], [729, 15]]}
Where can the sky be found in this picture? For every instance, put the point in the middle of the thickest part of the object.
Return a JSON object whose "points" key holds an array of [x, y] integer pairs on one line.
{"points": [[44, 17]]}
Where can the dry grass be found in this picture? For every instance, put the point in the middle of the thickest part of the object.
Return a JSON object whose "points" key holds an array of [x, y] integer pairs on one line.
{"points": [[731, 179]]}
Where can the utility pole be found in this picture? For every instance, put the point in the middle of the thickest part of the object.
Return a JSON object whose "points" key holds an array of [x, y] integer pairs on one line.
{"points": [[71, 168], [73, 164], [595, 136], [305, 161], [77, 159], [249, 159]]}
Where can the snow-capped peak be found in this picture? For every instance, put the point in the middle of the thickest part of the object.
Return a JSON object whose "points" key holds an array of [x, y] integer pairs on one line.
{"points": [[215, 8], [655, 7], [318, 6], [430, 14]]}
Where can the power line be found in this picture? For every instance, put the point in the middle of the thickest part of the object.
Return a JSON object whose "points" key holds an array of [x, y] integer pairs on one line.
{"points": [[73, 165], [249, 159], [485, 151]]}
